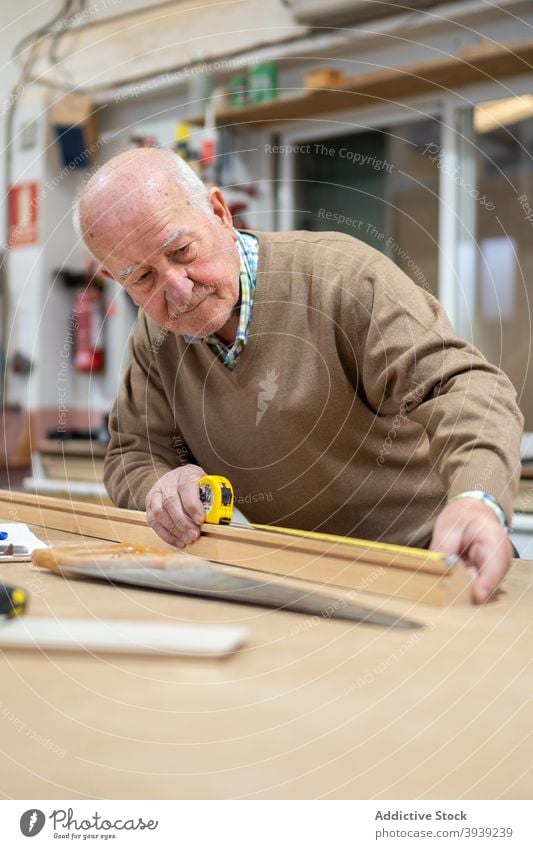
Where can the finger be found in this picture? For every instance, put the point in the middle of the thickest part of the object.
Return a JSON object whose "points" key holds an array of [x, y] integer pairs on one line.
{"points": [[448, 535], [165, 535], [172, 514], [187, 531], [488, 554], [190, 497], [493, 558], [484, 547], [153, 507], [158, 514]]}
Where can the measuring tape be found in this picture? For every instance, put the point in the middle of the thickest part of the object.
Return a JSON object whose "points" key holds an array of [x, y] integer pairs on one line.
{"points": [[216, 494]]}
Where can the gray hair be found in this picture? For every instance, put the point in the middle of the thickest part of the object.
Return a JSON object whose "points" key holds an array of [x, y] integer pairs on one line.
{"points": [[186, 179], [190, 184]]}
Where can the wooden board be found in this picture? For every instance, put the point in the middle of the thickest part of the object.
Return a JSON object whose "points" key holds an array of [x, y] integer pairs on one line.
{"points": [[389, 570], [100, 636], [336, 563]]}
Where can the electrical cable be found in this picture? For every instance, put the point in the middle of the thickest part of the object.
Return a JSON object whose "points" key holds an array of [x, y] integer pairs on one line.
{"points": [[43, 31], [31, 41], [53, 59]]}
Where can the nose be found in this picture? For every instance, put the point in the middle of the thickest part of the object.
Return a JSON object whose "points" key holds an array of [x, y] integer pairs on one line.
{"points": [[176, 285]]}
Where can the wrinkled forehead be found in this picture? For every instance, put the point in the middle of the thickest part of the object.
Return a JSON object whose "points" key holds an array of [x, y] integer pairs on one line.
{"points": [[139, 216]]}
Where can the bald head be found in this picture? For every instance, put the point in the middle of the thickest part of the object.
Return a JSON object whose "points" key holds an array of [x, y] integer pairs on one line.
{"points": [[166, 239], [122, 195]]}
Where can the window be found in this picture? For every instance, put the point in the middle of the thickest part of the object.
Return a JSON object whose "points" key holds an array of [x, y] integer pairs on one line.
{"points": [[495, 260], [380, 186]]}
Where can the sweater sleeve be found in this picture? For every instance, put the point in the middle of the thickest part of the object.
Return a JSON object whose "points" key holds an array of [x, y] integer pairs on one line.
{"points": [[144, 445], [415, 367]]}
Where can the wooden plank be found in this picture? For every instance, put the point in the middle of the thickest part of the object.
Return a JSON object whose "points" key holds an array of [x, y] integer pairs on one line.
{"points": [[53, 509], [334, 565], [408, 573], [67, 516]]}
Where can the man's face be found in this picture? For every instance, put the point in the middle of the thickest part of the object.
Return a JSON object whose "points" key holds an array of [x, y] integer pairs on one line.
{"points": [[180, 264]]}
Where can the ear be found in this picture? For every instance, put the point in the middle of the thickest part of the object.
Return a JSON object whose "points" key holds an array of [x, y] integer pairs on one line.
{"points": [[221, 210]]}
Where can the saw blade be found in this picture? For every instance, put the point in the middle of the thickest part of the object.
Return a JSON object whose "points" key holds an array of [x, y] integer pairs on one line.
{"points": [[204, 580]]}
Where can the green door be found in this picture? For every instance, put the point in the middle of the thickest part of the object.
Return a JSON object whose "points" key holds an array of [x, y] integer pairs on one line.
{"points": [[340, 185]]}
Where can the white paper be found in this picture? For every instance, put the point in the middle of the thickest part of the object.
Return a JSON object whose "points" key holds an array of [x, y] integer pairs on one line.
{"points": [[20, 534]]}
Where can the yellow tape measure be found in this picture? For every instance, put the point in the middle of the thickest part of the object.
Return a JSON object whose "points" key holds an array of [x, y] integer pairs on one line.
{"points": [[216, 494], [365, 544]]}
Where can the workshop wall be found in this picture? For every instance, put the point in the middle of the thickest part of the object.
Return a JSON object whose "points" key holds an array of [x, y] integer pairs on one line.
{"points": [[40, 306], [43, 306]]}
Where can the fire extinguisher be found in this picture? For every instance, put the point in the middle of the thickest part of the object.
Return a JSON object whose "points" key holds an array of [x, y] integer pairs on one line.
{"points": [[89, 315]]}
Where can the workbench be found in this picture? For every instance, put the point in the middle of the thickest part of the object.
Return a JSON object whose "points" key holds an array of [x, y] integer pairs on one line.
{"points": [[69, 468], [309, 708]]}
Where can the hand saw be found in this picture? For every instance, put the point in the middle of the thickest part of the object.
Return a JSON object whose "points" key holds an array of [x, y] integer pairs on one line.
{"points": [[158, 569]]}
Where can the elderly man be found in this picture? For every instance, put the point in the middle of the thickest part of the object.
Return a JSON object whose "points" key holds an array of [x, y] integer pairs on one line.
{"points": [[306, 367]]}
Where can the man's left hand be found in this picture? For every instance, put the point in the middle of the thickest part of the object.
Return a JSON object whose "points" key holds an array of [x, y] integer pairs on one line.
{"points": [[471, 529]]}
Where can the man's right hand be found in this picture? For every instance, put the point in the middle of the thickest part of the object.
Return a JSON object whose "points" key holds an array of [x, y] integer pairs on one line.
{"points": [[173, 506]]}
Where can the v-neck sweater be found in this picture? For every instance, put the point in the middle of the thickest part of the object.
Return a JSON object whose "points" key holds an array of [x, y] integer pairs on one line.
{"points": [[354, 408]]}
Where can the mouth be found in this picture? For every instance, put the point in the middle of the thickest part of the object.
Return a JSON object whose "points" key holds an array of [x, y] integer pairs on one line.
{"points": [[174, 316]]}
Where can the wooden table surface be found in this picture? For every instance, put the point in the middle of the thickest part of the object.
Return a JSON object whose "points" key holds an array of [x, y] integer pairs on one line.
{"points": [[307, 709]]}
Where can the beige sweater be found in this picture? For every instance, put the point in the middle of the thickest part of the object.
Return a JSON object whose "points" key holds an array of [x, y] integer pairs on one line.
{"points": [[354, 409]]}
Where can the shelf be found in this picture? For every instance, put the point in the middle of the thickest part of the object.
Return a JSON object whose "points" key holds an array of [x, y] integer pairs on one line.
{"points": [[484, 63]]}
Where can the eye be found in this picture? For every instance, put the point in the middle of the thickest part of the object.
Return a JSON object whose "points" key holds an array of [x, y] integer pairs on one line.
{"points": [[185, 252], [142, 279]]}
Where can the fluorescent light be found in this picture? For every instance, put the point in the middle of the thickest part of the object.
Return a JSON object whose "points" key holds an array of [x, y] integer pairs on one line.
{"points": [[498, 113]]}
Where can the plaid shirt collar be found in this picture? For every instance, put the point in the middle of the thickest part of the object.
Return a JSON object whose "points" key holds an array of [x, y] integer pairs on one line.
{"points": [[248, 247]]}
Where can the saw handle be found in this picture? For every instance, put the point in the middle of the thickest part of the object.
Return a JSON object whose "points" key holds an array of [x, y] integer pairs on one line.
{"points": [[46, 558], [104, 554]]}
